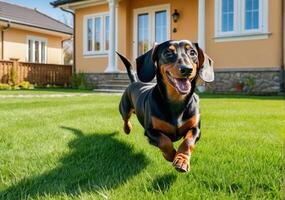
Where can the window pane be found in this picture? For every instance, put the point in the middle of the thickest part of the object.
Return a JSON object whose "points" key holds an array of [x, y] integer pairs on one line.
{"points": [[30, 59], [251, 14], [107, 32], [143, 33], [97, 34], [43, 52], [37, 60], [227, 15], [89, 34], [160, 26]]}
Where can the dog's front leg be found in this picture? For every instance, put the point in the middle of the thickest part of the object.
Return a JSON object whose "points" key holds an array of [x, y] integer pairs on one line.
{"points": [[163, 142], [182, 158], [166, 147]]}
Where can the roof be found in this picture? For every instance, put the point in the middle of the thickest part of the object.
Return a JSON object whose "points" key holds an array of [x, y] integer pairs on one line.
{"points": [[62, 2], [31, 17]]}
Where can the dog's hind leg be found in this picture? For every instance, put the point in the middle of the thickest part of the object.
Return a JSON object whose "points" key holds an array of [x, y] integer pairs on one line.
{"points": [[126, 110]]}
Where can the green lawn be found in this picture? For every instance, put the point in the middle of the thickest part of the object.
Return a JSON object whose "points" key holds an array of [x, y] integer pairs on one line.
{"points": [[74, 148], [42, 91]]}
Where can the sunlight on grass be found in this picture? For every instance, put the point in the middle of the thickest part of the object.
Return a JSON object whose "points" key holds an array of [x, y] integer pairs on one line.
{"points": [[74, 148]]}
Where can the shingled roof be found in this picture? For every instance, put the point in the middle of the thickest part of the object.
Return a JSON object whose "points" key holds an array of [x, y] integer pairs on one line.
{"points": [[31, 17]]}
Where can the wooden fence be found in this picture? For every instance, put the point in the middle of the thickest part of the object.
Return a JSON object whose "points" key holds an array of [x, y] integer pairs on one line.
{"points": [[35, 73]]}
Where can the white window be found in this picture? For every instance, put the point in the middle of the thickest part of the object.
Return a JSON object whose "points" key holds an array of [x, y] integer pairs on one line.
{"points": [[96, 34], [37, 49], [151, 25], [238, 18]]}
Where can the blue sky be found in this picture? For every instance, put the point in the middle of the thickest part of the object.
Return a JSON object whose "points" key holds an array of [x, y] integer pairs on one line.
{"points": [[45, 7]]}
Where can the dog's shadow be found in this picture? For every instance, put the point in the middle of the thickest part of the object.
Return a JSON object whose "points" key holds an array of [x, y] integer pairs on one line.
{"points": [[96, 162]]}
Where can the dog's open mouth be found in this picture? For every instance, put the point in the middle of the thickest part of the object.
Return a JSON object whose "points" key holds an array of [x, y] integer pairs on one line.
{"points": [[182, 85]]}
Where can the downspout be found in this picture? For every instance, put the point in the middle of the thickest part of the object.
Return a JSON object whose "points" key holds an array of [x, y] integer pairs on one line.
{"points": [[2, 38], [74, 46]]}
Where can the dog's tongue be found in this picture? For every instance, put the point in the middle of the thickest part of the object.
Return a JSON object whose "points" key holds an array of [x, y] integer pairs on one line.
{"points": [[183, 85]]}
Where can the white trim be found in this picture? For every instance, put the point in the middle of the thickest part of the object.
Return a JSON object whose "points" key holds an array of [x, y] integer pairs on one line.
{"points": [[103, 50], [96, 56], [151, 12], [239, 32], [244, 37], [40, 40]]}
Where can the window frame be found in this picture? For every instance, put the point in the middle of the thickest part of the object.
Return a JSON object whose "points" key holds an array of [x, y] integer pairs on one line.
{"points": [[150, 10], [40, 40], [239, 30], [103, 50]]}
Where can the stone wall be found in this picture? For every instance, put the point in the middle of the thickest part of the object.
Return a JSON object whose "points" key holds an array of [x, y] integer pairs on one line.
{"points": [[251, 81]]}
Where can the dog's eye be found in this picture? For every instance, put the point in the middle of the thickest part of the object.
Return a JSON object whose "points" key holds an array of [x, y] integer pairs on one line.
{"points": [[192, 53], [169, 53]]}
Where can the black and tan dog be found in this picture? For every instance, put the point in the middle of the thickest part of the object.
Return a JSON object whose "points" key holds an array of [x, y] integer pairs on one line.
{"points": [[168, 110]]}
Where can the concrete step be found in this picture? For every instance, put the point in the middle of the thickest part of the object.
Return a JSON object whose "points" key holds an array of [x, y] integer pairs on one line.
{"points": [[112, 86], [118, 82], [108, 91]]}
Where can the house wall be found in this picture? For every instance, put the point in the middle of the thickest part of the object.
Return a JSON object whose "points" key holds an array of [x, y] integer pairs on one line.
{"points": [[15, 45], [186, 29], [261, 53], [84, 63]]}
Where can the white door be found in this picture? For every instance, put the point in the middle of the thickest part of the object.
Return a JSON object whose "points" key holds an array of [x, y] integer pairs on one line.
{"points": [[151, 25]]}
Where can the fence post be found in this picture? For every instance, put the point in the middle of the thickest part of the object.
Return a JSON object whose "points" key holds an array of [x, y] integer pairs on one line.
{"points": [[13, 74]]}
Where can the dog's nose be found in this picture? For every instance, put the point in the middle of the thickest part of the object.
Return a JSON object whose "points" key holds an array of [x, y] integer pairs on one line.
{"points": [[185, 70]]}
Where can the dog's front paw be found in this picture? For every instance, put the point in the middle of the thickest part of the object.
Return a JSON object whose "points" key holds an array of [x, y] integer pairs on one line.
{"points": [[127, 127], [181, 162]]}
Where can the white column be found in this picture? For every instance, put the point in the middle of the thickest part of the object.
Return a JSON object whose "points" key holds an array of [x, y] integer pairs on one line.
{"points": [[201, 24], [112, 38]]}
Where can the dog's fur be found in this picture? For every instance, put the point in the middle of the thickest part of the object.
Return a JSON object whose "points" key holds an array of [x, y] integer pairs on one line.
{"points": [[168, 110]]}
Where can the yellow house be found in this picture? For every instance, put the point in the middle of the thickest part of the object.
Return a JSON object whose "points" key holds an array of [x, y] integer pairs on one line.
{"points": [[31, 36], [243, 37]]}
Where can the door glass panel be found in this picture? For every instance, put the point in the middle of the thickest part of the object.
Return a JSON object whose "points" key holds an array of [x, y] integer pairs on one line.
{"points": [[143, 33], [160, 26]]}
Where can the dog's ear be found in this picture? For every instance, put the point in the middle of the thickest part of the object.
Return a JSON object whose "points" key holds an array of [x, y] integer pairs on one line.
{"points": [[206, 66], [146, 68]]}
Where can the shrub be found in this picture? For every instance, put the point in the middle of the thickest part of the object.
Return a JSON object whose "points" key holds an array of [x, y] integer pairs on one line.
{"points": [[78, 81], [26, 85], [4, 86], [13, 76]]}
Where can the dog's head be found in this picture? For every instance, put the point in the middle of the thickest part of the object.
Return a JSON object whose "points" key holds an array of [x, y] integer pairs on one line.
{"points": [[177, 63]]}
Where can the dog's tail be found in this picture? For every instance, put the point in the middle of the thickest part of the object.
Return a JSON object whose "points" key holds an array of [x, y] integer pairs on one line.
{"points": [[128, 65]]}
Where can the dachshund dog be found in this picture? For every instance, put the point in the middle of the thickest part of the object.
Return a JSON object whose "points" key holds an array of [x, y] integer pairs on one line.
{"points": [[168, 110]]}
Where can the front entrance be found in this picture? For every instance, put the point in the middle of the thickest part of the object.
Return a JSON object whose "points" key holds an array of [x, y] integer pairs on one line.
{"points": [[151, 24]]}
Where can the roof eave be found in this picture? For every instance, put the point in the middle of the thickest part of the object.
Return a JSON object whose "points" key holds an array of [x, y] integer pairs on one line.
{"points": [[36, 27]]}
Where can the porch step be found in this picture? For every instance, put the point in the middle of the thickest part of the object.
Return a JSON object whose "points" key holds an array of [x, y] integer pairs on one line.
{"points": [[112, 86], [108, 91], [119, 82]]}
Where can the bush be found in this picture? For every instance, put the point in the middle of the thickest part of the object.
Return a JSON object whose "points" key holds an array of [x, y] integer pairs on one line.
{"points": [[4, 86], [26, 85], [13, 76], [78, 81]]}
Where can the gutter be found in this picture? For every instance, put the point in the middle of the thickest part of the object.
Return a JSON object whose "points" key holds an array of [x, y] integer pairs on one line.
{"points": [[2, 38], [74, 38]]}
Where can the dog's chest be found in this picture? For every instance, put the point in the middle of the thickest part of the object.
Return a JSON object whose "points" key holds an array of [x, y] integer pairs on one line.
{"points": [[180, 127]]}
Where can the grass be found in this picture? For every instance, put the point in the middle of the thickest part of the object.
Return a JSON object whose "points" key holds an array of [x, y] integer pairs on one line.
{"points": [[74, 148]]}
